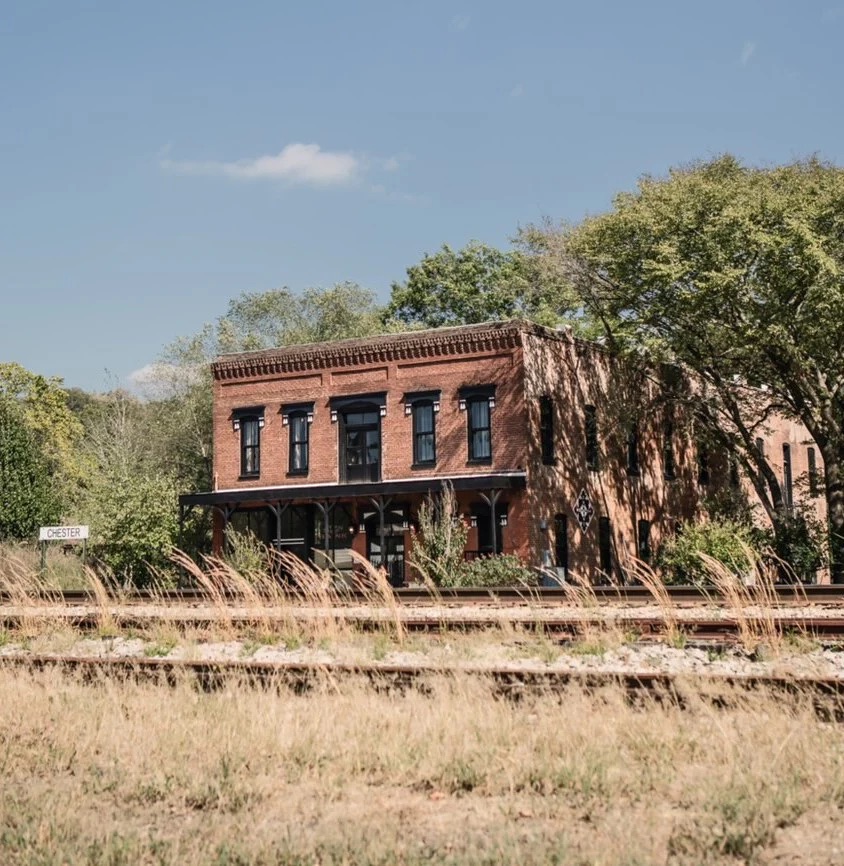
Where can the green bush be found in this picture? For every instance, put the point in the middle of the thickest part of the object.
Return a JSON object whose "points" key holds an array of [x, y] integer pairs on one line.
{"points": [[438, 547], [245, 553], [505, 569], [724, 540]]}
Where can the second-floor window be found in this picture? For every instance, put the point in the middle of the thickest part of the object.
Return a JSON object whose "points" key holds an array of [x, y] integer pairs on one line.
{"points": [[669, 467], [249, 422], [546, 429], [591, 423], [424, 437], [478, 403], [299, 442], [633, 449], [814, 475]]}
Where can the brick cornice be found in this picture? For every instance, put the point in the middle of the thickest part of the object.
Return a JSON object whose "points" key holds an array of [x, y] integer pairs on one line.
{"points": [[466, 339]]}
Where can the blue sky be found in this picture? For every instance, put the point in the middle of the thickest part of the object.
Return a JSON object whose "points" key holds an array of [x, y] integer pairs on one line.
{"points": [[159, 158]]}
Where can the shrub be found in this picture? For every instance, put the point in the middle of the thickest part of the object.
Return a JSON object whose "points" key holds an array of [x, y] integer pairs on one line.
{"points": [[246, 554], [439, 545], [505, 569], [724, 540]]}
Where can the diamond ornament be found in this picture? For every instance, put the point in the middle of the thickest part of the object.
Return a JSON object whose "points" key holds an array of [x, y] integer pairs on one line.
{"points": [[583, 510]]}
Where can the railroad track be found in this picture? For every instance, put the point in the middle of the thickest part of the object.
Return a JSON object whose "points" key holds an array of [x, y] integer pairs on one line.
{"points": [[827, 693], [513, 596]]}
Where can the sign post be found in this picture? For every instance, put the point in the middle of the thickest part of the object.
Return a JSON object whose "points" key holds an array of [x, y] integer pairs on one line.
{"points": [[65, 534]]}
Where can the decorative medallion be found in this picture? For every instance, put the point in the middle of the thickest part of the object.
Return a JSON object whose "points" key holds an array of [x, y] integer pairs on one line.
{"points": [[583, 510]]}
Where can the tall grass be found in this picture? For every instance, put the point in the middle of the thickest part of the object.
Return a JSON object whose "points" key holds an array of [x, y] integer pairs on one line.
{"points": [[123, 773]]}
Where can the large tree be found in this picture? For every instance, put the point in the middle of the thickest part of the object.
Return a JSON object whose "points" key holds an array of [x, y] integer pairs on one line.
{"points": [[737, 273], [478, 283]]}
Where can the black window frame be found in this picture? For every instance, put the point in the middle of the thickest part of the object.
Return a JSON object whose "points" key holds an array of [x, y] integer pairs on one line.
{"points": [[704, 471], [787, 476], [546, 430], [298, 419], [561, 542], [476, 396], [605, 547], [243, 421], [814, 475], [669, 463], [416, 401], [643, 540], [590, 422], [633, 467]]}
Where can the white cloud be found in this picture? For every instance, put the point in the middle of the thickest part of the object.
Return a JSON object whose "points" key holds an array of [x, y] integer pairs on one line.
{"points": [[296, 164], [161, 379], [459, 23], [747, 52], [392, 164], [517, 91]]}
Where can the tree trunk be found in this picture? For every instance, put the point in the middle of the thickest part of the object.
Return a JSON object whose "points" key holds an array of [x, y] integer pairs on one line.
{"points": [[834, 481]]}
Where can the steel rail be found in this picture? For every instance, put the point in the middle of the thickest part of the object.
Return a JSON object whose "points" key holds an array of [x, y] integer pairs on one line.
{"points": [[795, 594], [827, 693]]}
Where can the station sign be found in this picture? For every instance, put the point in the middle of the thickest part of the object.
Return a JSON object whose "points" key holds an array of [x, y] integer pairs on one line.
{"points": [[63, 533]]}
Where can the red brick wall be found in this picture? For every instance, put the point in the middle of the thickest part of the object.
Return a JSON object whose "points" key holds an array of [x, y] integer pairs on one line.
{"points": [[446, 374]]}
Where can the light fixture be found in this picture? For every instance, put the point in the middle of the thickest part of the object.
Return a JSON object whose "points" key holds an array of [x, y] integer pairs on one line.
{"points": [[235, 424], [436, 405], [492, 402], [461, 405], [502, 520], [543, 525], [333, 416], [383, 411], [473, 520], [261, 421], [361, 527], [405, 524], [408, 408], [285, 420], [310, 417]]}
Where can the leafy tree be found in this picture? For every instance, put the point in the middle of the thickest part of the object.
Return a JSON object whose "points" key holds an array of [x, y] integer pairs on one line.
{"points": [[27, 495], [736, 273], [476, 284], [46, 412]]}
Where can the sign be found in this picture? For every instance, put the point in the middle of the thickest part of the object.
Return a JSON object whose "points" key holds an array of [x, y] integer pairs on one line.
{"points": [[583, 510], [62, 533]]}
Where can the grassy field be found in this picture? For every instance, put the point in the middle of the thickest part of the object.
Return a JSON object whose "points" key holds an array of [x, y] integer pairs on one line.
{"points": [[123, 773]]}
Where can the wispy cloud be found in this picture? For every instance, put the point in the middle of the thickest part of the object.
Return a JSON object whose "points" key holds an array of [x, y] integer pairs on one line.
{"points": [[747, 52], [459, 23], [161, 379], [517, 91], [306, 164]]}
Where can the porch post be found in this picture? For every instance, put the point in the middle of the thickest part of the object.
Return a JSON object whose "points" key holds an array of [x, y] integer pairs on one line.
{"points": [[381, 504], [491, 500]]}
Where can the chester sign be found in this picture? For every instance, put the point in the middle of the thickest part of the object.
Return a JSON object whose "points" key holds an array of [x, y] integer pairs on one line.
{"points": [[62, 533]]}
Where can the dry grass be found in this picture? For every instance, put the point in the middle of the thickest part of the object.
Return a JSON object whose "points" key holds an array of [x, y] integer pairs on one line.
{"points": [[123, 773]]}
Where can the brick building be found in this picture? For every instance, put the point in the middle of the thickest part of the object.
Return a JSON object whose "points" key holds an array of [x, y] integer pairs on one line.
{"points": [[555, 451]]}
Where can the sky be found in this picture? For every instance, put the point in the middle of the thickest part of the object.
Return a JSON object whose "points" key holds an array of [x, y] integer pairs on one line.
{"points": [[159, 158]]}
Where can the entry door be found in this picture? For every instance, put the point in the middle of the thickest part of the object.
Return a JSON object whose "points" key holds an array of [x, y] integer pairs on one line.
{"points": [[394, 549]]}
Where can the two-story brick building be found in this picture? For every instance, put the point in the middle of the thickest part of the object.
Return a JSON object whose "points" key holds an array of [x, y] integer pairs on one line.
{"points": [[555, 452]]}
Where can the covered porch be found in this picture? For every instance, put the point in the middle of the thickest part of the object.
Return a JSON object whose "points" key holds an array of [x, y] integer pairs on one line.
{"points": [[323, 523]]}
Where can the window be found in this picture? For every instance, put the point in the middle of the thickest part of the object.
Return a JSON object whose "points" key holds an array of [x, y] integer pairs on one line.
{"points": [[633, 449], [478, 402], [591, 423], [297, 417], [605, 545], [423, 406], [546, 429], [788, 486], [669, 467], [760, 447], [643, 549], [561, 541], [703, 474], [424, 434], [249, 422], [735, 475], [359, 419], [814, 477], [299, 436]]}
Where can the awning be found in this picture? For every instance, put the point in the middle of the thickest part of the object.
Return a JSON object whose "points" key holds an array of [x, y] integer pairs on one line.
{"points": [[315, 492]]}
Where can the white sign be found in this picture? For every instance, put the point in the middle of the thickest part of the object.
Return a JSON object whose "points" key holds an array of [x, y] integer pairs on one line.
{"points": [[62, 533]]}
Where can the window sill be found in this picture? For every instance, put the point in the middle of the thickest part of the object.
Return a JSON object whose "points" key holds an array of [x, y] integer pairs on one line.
{"points": [[552, 462], [479, 461], [297, 473], [250, 477], [428, 465]]}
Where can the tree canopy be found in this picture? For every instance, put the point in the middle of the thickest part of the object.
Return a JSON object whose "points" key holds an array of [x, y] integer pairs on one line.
{"points": [[475, 284], [735, 272]]}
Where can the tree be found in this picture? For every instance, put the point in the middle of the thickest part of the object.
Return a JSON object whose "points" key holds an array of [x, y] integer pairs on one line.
{"points": [[736, 273], [27, 496], [476, 284]]}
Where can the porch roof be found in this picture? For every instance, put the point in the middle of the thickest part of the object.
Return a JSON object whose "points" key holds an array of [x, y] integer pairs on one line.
{"points": [[311, 492]]}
